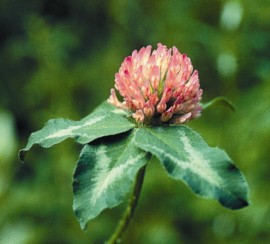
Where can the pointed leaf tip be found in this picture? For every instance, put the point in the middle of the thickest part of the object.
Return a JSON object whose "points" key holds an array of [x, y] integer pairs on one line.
{"points": [[21, 155]]}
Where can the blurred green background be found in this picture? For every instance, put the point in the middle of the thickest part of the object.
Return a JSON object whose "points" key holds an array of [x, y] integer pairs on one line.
{"points": [[58, 59]]}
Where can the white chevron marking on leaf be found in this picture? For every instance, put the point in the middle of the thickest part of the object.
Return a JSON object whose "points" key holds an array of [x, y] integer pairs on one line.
{"points": [[195, 167], [119, 111], [70, 130], [199, 164], [105, 176], [101, 169]]}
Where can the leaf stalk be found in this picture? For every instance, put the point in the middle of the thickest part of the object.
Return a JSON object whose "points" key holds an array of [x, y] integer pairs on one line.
{"points": [[129, 212]]}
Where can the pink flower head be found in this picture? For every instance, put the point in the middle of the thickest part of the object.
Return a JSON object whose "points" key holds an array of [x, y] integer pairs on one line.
{"points": [[158, 86]]}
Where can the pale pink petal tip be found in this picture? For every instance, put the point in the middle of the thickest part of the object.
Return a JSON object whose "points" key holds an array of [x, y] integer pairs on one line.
{"points": [[158, 86]]}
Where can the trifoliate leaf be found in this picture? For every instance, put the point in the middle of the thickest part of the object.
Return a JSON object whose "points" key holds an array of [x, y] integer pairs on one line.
{"points": [[105, 120], [104, 175], [208, 171]]}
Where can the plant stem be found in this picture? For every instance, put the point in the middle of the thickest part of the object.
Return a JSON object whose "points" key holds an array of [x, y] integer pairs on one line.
{"points": [[133, 201]]}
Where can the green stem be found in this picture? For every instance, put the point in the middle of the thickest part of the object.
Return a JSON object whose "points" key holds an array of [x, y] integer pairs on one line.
{"points": [[124, 222]]}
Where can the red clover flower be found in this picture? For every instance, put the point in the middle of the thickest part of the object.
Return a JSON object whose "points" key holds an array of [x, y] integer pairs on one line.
{"points": [[158, 87]]}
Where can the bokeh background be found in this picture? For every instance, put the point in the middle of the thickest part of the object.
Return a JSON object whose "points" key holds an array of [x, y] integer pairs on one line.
{"points": [[58, 59]]}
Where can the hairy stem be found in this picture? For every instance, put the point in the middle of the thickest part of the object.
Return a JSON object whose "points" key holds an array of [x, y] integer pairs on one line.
{"points": [[133, 201]]}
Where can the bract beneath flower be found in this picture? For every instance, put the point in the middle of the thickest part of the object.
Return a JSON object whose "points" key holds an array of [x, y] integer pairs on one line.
{"points": [[158, 86]]}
